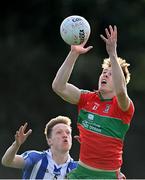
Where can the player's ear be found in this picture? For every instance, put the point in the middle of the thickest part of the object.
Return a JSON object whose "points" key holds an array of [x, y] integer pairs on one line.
{"points": [[49, 141]]}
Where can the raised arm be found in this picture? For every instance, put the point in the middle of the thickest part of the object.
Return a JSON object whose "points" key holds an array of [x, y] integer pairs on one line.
{"points": [[117, 73], [10, 158], [60, 85]]}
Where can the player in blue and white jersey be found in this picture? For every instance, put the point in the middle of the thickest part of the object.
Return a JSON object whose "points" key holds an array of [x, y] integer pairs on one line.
{"points": [[53, 163]]}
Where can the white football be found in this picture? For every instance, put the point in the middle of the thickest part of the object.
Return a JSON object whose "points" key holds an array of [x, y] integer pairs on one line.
{"points": [[75, 30]]}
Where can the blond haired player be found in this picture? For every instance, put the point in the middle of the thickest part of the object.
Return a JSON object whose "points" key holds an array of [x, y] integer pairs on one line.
{"points": [[104, 115]]}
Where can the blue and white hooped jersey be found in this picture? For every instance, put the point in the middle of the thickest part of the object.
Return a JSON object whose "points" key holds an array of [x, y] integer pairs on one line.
{"points": [[40, 165]]}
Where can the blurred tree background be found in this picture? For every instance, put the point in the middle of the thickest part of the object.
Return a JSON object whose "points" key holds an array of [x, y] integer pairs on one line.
{"points": [[31, 51]]}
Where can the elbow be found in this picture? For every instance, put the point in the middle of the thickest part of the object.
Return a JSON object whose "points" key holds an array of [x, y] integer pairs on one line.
{"points": [[6, 162], [56, 87], [3, 162]]}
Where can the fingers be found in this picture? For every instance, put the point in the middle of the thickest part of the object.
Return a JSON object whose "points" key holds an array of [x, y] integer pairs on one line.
{"points": [[22, 130], [115, 31], [24, 127], [17, 134], [89, 48], [28, 133], [107, 32], [111, 32], [79, 49], [103, 37]]}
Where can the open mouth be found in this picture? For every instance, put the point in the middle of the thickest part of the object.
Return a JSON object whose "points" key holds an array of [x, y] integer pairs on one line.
{"points": [[65, 140], [103, 81]]}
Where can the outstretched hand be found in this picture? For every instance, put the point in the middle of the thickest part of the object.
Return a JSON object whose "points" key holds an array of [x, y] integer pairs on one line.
{"points": [[80, 49], [110, 40], [21, 135]]}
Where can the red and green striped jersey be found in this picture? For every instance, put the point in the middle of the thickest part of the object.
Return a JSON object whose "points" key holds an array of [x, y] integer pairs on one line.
{"points": [[102, 126]]}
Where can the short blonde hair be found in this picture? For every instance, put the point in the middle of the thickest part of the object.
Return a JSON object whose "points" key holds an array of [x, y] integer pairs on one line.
{"points": [[124, 65], [57, 120]]}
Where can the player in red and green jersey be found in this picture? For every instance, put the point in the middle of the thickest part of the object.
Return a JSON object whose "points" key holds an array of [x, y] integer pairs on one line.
{"points": [[104, 115]]}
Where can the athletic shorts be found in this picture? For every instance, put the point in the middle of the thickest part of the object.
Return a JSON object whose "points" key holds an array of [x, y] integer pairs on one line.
{"points": [[84, 173]]}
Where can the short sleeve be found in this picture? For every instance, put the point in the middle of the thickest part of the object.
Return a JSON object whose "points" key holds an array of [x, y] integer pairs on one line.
{"points": [[126, 115], [31, 157], [83, 98]]}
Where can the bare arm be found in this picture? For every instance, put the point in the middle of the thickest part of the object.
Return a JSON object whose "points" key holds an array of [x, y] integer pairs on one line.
{"points": [[10, 158], [117, 73], [60, 84]]}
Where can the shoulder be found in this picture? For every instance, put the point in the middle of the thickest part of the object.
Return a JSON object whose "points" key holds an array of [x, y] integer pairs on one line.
{"points": [[131, 104], [84, 91], [86, 96], [126, 116], [33, 154], [72, 164]]}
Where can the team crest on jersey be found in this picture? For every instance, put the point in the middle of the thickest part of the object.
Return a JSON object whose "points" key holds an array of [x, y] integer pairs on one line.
{"points": [[107, 108]]}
